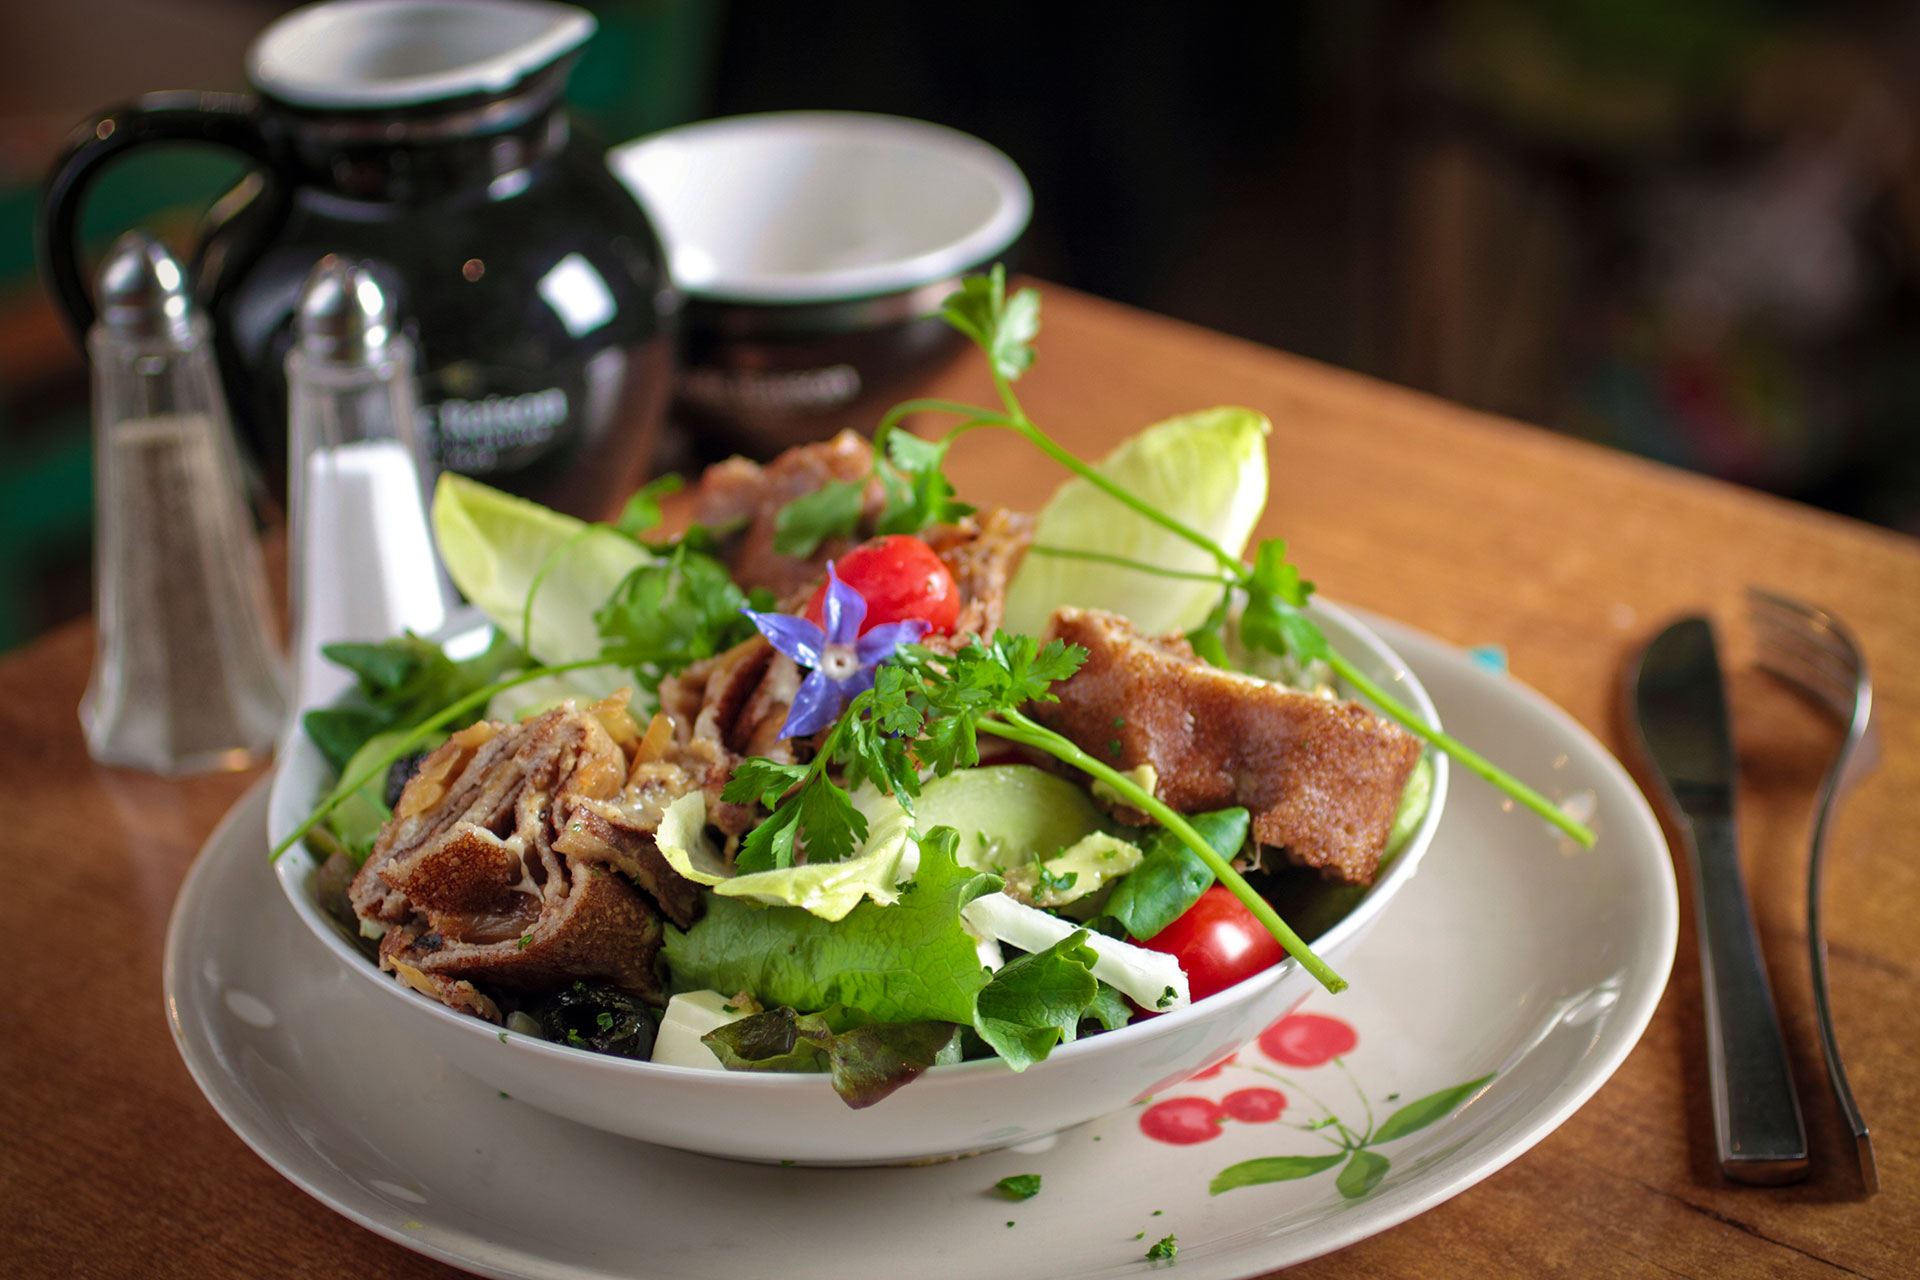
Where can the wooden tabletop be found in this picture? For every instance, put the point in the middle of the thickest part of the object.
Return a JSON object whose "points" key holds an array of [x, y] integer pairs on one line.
{"points": [[1475, 529]]}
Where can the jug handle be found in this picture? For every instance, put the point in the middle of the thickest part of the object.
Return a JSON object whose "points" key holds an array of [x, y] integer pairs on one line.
{"points": [[229, 120]]}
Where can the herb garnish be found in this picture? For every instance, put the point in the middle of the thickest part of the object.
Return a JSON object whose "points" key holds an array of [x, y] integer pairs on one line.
{"points": [[1162, 1250], [918, 494], [671, 613], [1271, 593], [922, 710], [927, 710], [397, 682], [1045, 881], [1019, 1186]]}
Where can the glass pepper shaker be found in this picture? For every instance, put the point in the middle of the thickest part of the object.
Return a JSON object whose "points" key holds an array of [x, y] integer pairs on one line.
{"points": [[187, 673], [363, 566]]}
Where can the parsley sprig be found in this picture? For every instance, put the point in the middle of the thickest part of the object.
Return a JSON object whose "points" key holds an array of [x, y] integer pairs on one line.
{"points": [[918, 494], [1271, 595], [924, 711]]}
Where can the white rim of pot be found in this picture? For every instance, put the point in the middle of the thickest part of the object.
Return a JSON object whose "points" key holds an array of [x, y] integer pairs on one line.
{"points": [[308, 57], [698, 274]]}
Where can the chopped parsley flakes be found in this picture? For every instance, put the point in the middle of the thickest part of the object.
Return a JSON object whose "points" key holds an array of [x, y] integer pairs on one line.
{"points": [[1021, 1186]]}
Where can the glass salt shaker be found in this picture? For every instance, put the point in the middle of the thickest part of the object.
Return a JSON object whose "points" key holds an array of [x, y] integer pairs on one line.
{"points": [[363, 567], [187, 673]]}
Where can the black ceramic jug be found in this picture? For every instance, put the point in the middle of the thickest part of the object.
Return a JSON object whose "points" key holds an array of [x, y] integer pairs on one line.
{"points": [[429, 138]]}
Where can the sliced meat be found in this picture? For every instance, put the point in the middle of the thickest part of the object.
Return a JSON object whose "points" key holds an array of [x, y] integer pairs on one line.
{"points": [[1321, 778], [601, 831], [982, 553], [598, 929], [467, 886], [742, 499], [723, 708]]}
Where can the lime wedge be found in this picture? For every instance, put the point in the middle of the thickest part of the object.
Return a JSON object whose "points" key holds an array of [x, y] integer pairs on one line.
{"points": [[1207, 470], [494, 545]]}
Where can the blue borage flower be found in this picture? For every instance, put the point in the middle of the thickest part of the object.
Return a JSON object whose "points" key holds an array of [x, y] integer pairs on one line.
{"points": [[840, 659]]}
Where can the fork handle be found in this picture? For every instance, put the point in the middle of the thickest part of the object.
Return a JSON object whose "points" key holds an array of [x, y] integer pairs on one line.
{"points": [[1836, 781], [1756, 1113]]}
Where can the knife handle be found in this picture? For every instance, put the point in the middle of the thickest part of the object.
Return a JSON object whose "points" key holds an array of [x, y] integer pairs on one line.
{"points": [[1756, 1113]]}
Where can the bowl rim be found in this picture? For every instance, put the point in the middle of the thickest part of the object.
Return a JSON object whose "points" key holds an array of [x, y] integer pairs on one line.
{"points": [[629, 162], [294, 871]]}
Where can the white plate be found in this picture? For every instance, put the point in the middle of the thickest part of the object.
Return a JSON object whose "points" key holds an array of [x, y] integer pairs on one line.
{"points": [[1510, 955]]}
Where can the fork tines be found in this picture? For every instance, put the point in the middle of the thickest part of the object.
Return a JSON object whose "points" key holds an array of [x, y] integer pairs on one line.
{"points": [[1808, 648]]}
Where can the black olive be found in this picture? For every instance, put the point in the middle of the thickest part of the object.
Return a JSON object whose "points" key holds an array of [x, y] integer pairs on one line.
{"points": [[601, 1018], [399, 773], [330, 884]]}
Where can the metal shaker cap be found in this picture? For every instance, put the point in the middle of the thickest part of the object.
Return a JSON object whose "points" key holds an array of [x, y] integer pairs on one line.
{"points": [[140, 291], [344, 317]]}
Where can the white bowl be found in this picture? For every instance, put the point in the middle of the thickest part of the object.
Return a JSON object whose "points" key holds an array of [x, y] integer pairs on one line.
{"points": [[821, 206], [949, 1111]]}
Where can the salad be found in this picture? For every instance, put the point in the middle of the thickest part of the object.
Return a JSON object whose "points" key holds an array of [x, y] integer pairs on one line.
{"points": [[852, 777]]}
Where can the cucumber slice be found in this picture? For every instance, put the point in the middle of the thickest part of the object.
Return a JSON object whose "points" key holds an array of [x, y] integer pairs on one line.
{"points": [[1007, 814]]}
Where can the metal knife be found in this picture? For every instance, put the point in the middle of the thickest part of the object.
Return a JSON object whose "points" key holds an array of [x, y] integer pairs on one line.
{"points": [[1679, 706]]}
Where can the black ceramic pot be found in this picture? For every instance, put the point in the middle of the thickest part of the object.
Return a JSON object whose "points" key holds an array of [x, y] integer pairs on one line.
{"points": [[429, 138]]}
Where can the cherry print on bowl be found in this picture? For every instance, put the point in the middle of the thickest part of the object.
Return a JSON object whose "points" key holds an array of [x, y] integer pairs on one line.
{"points": [[1183, 1121], [1307, 1040], [1254, 1106], [1208, 1073], [1303, 1041]]}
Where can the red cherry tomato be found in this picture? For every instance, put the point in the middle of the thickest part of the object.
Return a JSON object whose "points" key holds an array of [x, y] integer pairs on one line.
{"points": [[1218, 942], [899, 577]]}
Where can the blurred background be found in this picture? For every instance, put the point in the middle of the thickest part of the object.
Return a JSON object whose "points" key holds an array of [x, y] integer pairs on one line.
{"points": [[1687, 230]]}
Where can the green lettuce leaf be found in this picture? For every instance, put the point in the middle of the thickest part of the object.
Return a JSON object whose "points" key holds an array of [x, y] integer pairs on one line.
{"points": [[867, 1062], [909, 962], [495, 545], [670, 612], [399, 682], [831, 511], [1171, 876], [1207, 470], [1036, 1001], [1109, 1009], [828, 890]]}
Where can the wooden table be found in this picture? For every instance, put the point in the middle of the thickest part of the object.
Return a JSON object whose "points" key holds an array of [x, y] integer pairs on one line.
{"points": [[1475, 529]]}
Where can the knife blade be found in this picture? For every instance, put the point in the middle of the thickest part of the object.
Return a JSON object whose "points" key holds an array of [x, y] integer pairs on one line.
{"points": [[1679, 708]]}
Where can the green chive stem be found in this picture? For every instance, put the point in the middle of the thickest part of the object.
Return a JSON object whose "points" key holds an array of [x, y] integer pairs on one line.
{"points": [[1015, 727], [1473, 760], [1019, 422], [908, 407], [1126, 562]]}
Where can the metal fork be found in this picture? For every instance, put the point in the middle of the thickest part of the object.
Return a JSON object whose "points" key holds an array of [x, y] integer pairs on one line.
{"points": [[1814, 652]]}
